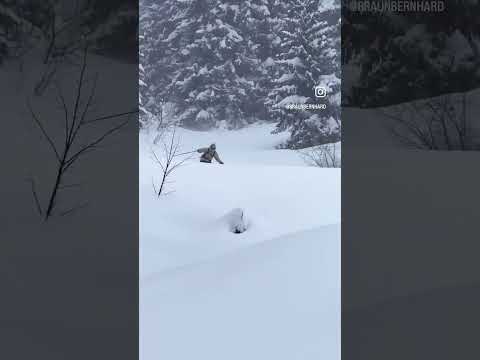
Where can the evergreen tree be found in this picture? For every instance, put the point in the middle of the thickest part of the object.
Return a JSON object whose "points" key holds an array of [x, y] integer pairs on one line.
{"points": [[18, 20], [213, 79], [157, 59], [308, 57], [217, 61], [403, 57]]}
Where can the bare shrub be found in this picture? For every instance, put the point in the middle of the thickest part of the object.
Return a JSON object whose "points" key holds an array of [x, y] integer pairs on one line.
{"points": [[169, 161], [435, 124], [74, 143], [325, 156]]}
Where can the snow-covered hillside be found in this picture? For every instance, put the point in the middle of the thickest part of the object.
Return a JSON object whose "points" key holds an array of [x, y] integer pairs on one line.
{"points": [[270, 292], [276, 300], [371, 129], [420, 201]]}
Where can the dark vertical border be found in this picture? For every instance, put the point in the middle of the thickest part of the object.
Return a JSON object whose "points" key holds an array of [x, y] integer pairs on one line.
{"points": [[69, 286], [410, 269]]}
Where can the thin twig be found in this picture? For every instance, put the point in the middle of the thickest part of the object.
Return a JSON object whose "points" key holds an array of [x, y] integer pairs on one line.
{"points": [[92, 144], [35, 196], [74, 209], [110, 117], [44, 132]]}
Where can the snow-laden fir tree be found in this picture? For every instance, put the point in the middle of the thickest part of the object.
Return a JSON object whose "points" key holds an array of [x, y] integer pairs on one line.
{"points": [[213, 81], [156, 57], [57, 30], [405, 56], [308, 56], [18, 20], [145, 114], [216, 61]]}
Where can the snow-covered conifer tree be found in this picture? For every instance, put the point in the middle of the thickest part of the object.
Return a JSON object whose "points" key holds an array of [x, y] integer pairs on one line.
{"points": [[308, 57]]}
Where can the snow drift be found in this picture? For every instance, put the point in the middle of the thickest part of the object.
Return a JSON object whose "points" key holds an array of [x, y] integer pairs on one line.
{"points": [[270, 292], [275, 300]]}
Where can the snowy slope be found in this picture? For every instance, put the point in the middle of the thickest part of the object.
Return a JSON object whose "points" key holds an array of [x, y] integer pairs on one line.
{"points": [[439, 184], [185, 226], [271, 292], [371, 129], [275, 300]]}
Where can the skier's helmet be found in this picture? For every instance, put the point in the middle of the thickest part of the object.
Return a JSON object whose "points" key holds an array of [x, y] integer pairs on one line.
{"points": [[213, 146]]}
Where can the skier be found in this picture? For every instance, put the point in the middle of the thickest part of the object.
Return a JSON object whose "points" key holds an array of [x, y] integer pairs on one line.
{"points": [[208, 154]]}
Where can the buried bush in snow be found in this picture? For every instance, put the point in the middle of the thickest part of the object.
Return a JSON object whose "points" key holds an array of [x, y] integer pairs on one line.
{"points": [[236, 221]]}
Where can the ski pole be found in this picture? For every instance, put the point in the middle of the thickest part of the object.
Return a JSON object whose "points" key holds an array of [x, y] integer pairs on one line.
{"points": [[185, 153]]}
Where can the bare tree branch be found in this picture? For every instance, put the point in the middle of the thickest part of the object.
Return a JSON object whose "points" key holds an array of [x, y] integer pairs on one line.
{"points": [[35, 196], [168, 163], [154, 187], [436, 124], [71, 151], [90, 98], [324, 156], [69, 186], [44, 132], [65, 110], [108, 117], [74, 209], [78, 97], [92, 144]]}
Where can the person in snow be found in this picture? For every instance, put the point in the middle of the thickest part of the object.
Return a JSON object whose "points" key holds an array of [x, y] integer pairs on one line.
{"points": [[208, 154]]}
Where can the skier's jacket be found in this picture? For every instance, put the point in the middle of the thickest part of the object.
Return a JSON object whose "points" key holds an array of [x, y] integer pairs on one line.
{"points": [[208, 154]]}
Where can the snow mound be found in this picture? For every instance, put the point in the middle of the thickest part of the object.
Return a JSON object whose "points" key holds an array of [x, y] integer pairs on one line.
{"points": [[236, 221], [275, 300]]}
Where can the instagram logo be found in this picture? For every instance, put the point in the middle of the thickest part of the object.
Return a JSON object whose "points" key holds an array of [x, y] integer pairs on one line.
{"points": [[320, 91]]}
